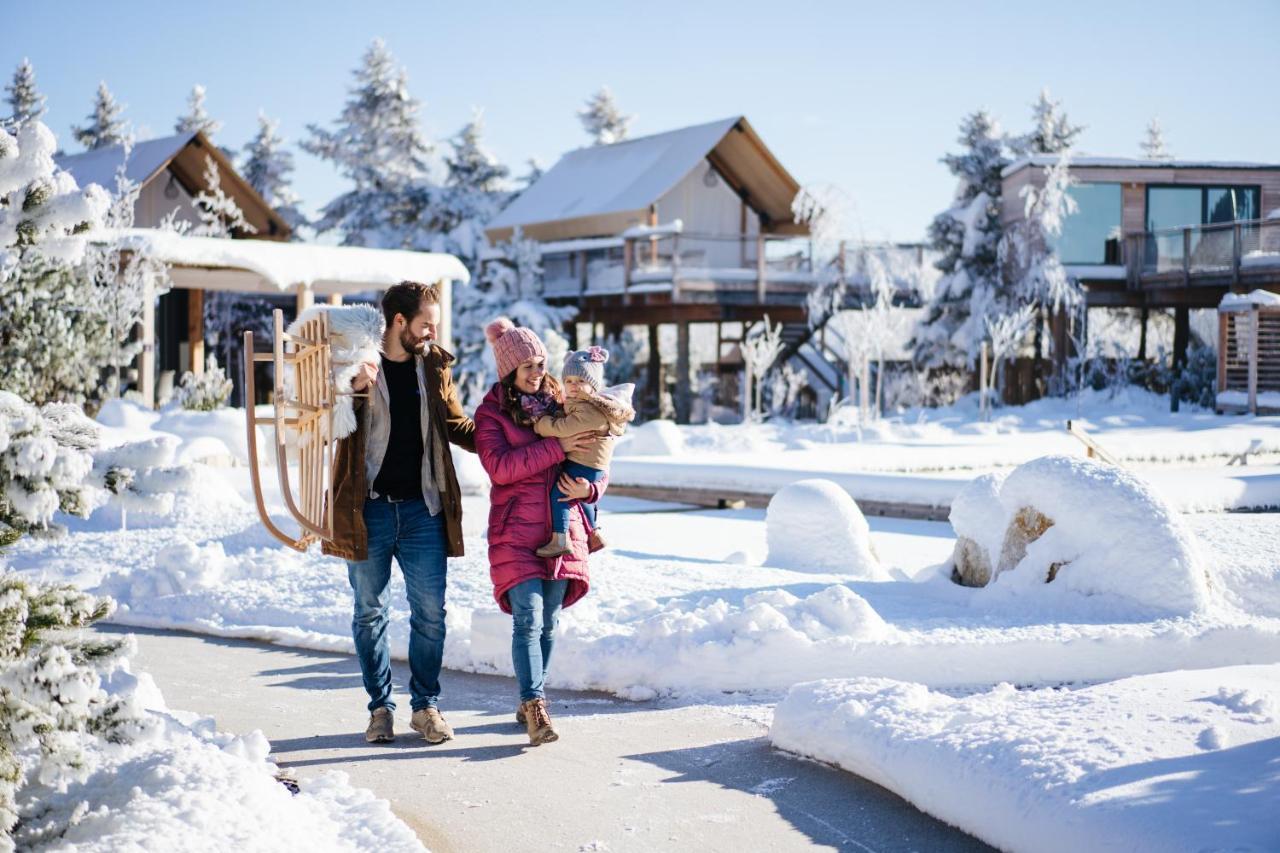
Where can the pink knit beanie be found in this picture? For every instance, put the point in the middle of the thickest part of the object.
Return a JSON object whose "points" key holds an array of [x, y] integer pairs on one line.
{"points": [[511, 345]]}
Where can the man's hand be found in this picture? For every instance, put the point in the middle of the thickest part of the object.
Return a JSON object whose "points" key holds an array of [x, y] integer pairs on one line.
{"points": [[579, 442], [574, 488], [367, 376]]}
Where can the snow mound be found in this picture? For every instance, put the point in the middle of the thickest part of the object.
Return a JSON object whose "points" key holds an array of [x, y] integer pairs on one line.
{"points": [[653, 438], [226, 425], [978, 520], [815, 526], [1141, 764], [180, 568], [126, 414], [1111, 535]]}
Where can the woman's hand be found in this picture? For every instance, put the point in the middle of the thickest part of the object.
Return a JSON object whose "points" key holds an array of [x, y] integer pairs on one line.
{"points": [[580, 442], [574, 488], [367, 376]]}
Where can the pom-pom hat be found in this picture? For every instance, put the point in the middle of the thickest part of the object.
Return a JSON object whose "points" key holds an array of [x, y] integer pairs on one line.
{"points": [[512, 346], [588, 365]]}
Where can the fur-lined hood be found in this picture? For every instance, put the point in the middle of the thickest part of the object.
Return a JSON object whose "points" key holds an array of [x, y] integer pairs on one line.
{"points": [[615, 404]]}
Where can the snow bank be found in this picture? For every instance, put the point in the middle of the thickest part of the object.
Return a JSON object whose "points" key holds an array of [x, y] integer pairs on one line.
{"points": [[226, 426], [653, 438], [1167, 762], [814, 526], [1110, 536], [185, 786]]}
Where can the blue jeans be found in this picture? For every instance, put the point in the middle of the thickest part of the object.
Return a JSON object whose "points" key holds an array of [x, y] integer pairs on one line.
{"points": [[405, 530], [560, 509], [535, 609]]}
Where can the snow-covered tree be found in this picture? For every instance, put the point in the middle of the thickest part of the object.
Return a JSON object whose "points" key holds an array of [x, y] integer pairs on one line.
{"points": [[197, 118], [104, 126], [377, 145], [268, 167], [760, 350], [1052, 132], [25, 101], [219, 214], [1153, 145], [1007, 332], [45, 460], [602, 119], [966, 235], [51, 694], [533, 171], [1027, 251], [473, 193]]}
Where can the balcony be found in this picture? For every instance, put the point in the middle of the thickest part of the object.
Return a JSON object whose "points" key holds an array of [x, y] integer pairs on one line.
{"points": [[686, 267], [1231, 254]]}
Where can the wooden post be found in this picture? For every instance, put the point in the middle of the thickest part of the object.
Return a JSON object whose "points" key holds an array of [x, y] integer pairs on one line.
{"points": [[306, 298], [1186, 257], [684, 389], [1181, 339], [1222, 351], [675, 267], [195, 331], [653, 241], [147, 358], [628, 251], [653, 376], [760, 269], [1255, 320], [335, 299]]}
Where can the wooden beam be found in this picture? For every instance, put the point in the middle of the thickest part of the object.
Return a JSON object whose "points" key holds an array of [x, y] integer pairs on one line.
{"points": [[1255, 320], [306, 297], [195, 332], [335, 299], [684, 384]]}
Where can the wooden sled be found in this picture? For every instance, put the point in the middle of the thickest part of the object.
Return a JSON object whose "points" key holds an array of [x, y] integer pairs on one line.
{"points": [[304, 413]]}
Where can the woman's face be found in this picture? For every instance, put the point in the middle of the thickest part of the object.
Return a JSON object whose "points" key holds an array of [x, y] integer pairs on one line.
{"points": [[529, 374]]}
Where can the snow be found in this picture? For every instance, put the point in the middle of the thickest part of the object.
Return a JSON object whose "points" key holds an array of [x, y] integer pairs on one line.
{"points": [[1087, 161], [99, 166], [1264, 399], [1260, 259], [814, 526], [186, 786], [1097, 272], [284, 266], [1244, 301], [655, 438], [1180, 760], [618, 178], [1111, 535]]}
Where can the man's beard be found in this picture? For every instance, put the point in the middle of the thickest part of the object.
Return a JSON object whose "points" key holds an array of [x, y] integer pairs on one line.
{"points": [[413, 343]]}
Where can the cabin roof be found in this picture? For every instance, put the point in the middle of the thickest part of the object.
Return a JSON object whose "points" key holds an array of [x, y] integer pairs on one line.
{"points": [[599, 190], [1094, 162]]}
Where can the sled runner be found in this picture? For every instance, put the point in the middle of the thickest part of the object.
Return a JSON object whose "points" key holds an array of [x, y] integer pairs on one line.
{"points": [[302, 417]]}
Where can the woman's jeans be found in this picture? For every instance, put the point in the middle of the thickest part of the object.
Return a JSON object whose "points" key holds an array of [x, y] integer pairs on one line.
{"points": [[407, 531], [560, 509], [535, 609]]}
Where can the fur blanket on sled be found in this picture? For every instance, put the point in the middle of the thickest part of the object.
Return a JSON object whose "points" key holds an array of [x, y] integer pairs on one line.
{"points": [[355, 335]]}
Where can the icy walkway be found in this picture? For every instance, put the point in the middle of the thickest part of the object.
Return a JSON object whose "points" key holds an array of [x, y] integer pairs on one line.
{"points": [[624, 776]]}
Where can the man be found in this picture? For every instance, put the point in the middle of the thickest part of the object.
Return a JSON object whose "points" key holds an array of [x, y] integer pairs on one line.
{"points": [[395, 494]]}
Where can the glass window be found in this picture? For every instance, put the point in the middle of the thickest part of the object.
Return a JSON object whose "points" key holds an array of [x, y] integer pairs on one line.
{"points": [[1091, 235], [1173, 207], [1231, 204]]}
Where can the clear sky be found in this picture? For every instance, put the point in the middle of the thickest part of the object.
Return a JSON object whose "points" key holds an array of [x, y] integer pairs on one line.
{"points": [[861, 96]]}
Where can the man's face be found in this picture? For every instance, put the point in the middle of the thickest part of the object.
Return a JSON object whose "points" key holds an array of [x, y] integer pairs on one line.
{"points": [[415, 335]]}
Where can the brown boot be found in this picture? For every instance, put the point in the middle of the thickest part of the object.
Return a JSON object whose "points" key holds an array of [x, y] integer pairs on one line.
{"points": [[535, 716], [596, 541], [428, 723], [558, 546], [380, 728]]}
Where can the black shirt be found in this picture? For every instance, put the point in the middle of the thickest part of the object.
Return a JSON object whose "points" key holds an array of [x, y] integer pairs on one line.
{"points": [[400, 476]]}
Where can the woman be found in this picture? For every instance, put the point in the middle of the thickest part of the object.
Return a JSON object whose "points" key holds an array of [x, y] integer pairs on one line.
{"points": [[522, 468]]}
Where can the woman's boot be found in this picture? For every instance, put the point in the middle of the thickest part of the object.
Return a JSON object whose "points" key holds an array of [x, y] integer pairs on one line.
{"points": [[558, 546], [535, 717]]}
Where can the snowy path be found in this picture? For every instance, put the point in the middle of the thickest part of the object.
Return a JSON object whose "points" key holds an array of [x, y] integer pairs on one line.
{"points": [[625, 776]]}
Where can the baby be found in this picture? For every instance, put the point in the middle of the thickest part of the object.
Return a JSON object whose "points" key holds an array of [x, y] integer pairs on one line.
{"points": [[588, 407]]}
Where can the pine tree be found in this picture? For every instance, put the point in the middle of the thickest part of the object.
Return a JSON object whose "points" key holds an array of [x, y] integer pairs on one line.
{"points": [[470, 166], [472, 193], [602, 119], [105, 127], [25, 102], [1052, 131], [967, 235], [268, 168], [376, 144], [197, 118], [1153, 145]]}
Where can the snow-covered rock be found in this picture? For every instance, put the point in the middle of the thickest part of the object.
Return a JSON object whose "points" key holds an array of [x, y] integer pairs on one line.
{"points": [[654, 438], [978, 519], [815, 526]]}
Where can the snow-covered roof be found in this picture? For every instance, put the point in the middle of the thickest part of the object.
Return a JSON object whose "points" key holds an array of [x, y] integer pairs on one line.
{"points": [[1132, 163], [1245, 301], [99, 166], [624, 178], [284, 266]]}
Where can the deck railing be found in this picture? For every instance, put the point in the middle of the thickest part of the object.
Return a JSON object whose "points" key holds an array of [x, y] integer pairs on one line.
{"points": [[1226, 251]]}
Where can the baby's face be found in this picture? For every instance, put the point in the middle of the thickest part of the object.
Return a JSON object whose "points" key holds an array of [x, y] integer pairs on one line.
{"points": [[575, 388]]}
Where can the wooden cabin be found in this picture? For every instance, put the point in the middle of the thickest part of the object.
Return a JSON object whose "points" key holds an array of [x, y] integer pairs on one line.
{"points": [[1163, 234], [1249, 353], [170, 173], [689, 227]]}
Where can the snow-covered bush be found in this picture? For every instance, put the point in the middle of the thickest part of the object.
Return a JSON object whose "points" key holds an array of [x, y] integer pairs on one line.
{"points": [[45, 460], [815, 526], [206, 392], [142, 475], [51, 695], [1196, 382], [1073, 524]]}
